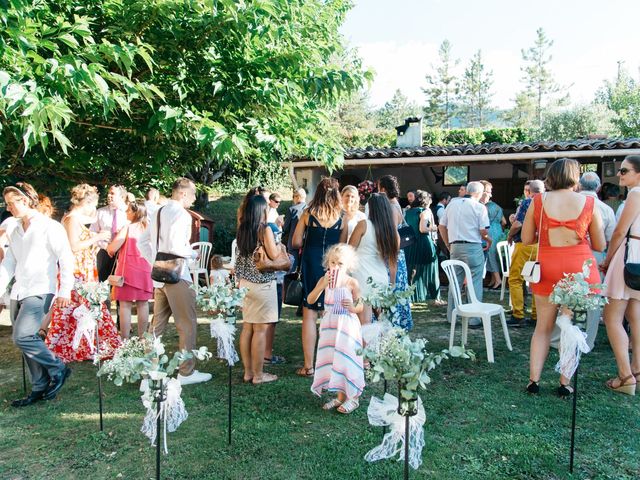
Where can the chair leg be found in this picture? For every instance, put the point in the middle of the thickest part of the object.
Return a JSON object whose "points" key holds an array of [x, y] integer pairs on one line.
{"points": [[488, 337], [505, 329], [502, 288], [206, 279], [465, 329], [454, 316]]}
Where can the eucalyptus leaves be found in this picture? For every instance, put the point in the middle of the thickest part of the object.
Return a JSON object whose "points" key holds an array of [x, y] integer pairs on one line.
{"points": [[386, 299], [96, 293], [221, 299], [576, 294]]}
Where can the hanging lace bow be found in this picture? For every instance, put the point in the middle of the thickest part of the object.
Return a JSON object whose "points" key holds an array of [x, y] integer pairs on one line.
{"points": [[224, 334], [573, 342], [85, 327], [372, 333], [385, 413], [172, 411]]}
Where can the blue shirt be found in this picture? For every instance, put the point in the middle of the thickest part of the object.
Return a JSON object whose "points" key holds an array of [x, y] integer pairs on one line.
{"points": [[520, 214]]}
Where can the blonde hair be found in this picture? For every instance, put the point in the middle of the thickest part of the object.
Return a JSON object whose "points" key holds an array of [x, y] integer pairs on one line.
{"points": [[216, 262], [83, 193], [23, 190], [343, 251]]}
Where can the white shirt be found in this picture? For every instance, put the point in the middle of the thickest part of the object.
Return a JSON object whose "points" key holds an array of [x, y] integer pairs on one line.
{"points": [[152, 208], [464, 219], [440, 208], [272, 215], [619, 212], [34, 258], [607, 214], [104, 219], [175, 234], [351, 224]]}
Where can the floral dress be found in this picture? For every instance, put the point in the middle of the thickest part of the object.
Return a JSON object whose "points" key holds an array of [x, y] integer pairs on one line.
{"points": [[63, 323]]}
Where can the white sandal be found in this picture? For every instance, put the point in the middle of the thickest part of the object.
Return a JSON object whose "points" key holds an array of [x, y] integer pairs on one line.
{"points": [[331, 404], [349, 406]]}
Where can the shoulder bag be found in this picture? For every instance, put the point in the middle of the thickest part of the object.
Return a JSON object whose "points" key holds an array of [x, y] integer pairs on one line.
{"points": [[167, 267], [531, 269], [264, 264], [118, 280], [293, 288], [631, 270]]}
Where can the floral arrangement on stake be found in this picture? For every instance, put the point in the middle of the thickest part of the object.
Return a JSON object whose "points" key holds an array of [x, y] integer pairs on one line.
{"points": [[365, 189], [575, 296], [386, 299], [95, 293]]}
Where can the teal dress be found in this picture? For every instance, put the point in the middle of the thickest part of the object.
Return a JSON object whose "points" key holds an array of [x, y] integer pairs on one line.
{"points": [[495, 232], [422, 261]]}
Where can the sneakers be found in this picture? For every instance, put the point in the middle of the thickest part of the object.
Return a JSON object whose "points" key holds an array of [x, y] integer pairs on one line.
{"points": [[195, 377], [515, 322]]}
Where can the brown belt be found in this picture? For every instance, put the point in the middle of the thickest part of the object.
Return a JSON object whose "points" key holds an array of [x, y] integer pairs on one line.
{"points": [[635, 237]]}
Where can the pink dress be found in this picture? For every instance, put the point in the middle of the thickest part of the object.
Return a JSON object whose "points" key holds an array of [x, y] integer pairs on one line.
{"points": [[63, 323], [614, 280], [135, 269]]}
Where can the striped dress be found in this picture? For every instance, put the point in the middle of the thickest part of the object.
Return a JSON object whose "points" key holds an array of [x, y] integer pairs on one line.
{"points": [[338, 367]]}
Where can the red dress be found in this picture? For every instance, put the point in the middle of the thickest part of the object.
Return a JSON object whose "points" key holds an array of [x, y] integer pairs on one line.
{"points": [[135, 269], [556, 261], [63, 323]]}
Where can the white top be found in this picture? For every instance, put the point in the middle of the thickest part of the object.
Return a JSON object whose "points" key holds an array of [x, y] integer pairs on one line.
{"points": [[351, 224], [272, 215], [464, 219], [104, 219], [8, 225], [440, 208], [619, 211], [370, 263], [175, 233], [607, 214], [34, 258], [152, 208], [219, 276]]}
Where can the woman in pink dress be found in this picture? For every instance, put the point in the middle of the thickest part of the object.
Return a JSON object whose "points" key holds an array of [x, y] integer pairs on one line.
{"points": [[84, 199], [138, 286], [624, 301]]}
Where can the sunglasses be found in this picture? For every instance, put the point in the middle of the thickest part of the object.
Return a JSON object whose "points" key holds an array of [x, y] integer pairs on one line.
{"points": [[624, 171]]}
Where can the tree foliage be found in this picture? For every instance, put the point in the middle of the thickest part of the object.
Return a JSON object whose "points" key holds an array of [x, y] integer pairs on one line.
{"points": [[442, 89], [623, 98], [577, 122], [143, 90], [394, 112], [475, 91]]}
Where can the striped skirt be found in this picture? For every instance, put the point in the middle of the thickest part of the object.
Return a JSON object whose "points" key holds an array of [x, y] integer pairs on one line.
{"points": [[338, 367]]}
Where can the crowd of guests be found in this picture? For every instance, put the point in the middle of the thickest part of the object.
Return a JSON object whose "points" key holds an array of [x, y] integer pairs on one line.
{"points": [[340, 248]]}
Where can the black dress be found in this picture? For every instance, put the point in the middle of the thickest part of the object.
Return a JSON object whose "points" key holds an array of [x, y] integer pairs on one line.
{"points": [[318, 240]]}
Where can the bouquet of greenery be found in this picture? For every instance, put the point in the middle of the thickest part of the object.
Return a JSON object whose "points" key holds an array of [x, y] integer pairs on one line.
{"points": [[387, 298], [221, 299], [576, 294], [96, 293]]}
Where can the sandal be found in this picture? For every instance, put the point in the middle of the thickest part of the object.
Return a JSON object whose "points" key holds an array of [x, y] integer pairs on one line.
{"points": [[275, 360], [331, 404], [349, 406], [265, 378], [565, 391], [623, 386], [305, 372], [533, 387]]}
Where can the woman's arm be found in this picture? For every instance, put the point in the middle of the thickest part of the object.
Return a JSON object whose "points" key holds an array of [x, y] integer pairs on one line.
{"points": [[596, 232], [74, 230], [117, 242], [358, 233], [629, 214], [393, 265], [344, 231], [298, 235], [426, 223], [319, 288]]}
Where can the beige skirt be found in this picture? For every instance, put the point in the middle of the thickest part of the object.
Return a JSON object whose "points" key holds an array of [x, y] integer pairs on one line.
{"points": [[261, 303]]}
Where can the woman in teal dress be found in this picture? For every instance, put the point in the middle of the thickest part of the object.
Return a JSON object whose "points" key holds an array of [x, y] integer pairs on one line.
{"points": [[496, 223], [422, 260]]}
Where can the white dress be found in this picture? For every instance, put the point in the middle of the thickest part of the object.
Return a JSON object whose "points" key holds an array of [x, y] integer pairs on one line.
{"points": [[370, 262], [351, 224]]}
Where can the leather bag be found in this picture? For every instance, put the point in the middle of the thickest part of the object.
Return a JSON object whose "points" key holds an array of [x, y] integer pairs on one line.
{"points": [[167, 267], [118, 280], [264, 264], [407, 235], [531, 270], [631, 270]]}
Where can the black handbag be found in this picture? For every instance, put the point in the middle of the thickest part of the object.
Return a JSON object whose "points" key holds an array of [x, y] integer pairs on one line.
{"points": [[407, 235], [631, 270], [293, 288], [167, 267]]}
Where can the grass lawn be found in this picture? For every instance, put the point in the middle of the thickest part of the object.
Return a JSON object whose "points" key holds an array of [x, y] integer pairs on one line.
{"points": [[480, 424]]}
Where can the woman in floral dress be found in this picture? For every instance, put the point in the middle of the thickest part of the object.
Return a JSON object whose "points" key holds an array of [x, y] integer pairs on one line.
{"points": [[84, 199]]}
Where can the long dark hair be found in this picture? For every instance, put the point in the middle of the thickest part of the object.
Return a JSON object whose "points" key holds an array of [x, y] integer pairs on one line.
{"points": [[243, 204], [253, 218], [381, 216], [326, 202], [390, 185]]}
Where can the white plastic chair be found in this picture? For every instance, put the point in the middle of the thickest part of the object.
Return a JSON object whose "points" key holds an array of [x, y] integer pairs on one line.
{"points": [[201, 265], [505, 251], [472, 309]]}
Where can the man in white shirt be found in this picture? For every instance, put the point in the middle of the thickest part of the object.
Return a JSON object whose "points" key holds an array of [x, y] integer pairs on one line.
{"points": [[111, 218], [151, 202], [272, 212], [178, 299], [38, 250], [463, 227]]}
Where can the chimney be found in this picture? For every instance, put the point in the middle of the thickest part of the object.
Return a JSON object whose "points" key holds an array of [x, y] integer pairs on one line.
{"points": [[410, 134]]}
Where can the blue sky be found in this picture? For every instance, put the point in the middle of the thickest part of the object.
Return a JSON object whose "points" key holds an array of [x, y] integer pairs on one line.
{"points": [[400, 39]]}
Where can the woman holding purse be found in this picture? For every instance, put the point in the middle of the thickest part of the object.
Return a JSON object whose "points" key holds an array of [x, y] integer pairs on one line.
{"points": [[132, 274]]}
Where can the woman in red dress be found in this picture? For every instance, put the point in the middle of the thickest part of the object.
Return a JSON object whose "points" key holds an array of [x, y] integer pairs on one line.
{"points": [[134, 268], [84, 199], [568, 228]]}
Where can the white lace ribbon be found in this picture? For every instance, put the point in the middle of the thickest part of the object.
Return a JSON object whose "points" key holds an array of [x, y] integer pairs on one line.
{"points": [[172, 411], [385, 413], [224, 334], [85, 327], [373, 332], [573, 342]]}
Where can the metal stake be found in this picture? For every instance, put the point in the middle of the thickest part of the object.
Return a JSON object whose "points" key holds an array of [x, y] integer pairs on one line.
{"points": [[159, 399], [99, 379], [573, 419], [406, 447], [384, 391], [229, 420]]}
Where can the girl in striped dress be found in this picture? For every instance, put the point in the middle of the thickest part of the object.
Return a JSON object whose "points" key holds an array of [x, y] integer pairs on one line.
{"points": [[339, 368]]}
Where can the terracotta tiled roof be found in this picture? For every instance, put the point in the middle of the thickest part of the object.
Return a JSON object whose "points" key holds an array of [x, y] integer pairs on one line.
{"points": [[491, 149]]}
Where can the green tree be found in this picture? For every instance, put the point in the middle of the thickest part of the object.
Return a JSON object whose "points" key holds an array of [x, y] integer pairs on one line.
{"points": [[578, 122], [623, 98], [540, 87], [394, 112], [442, 89], [138, 91], [355, 121], [475, 92]]}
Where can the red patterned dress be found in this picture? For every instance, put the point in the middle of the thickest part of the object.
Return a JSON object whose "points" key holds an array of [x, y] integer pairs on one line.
{"points": [[63, 323]]}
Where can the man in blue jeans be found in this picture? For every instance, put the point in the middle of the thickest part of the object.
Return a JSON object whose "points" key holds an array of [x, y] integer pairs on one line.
{"points": [[463, 227], [38, 250]]}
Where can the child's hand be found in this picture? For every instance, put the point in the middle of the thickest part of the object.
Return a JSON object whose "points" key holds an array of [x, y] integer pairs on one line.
{"points": [[348, 304]]}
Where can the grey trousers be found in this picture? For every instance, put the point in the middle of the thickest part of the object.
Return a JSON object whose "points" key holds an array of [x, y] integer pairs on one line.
{"points": [[473, 256], [26, 317]]}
